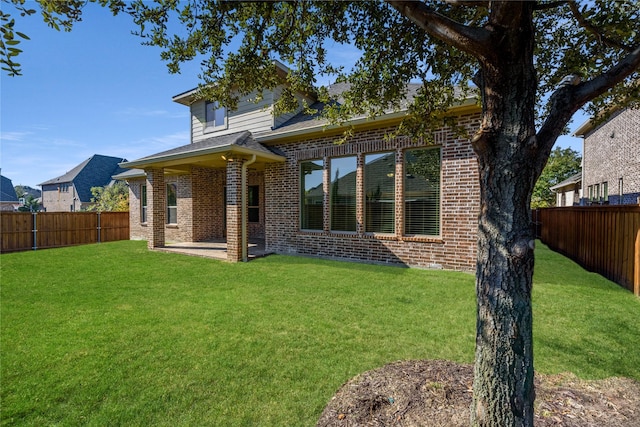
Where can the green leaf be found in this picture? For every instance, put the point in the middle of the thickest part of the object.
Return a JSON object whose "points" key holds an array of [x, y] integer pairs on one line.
{"points": [[24, 36]]}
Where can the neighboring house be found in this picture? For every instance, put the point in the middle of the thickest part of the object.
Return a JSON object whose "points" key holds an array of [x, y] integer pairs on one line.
{"points": [[611, 159], [72, 191], [569, 191], [374, 199], [8, 198]]}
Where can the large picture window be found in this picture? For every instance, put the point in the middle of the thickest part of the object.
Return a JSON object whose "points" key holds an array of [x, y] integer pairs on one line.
{"points": [[172, 204], [312, 195], [422, 192], [143, 203], [343, 194], [215, 116], [379, 187]]}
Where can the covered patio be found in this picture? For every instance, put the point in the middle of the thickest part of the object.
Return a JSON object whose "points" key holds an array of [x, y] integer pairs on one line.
{"points": [[203, 220], [214, 249]]}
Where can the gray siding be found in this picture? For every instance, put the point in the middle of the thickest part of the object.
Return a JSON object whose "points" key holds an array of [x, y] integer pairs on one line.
{"points": [[251, 116]]}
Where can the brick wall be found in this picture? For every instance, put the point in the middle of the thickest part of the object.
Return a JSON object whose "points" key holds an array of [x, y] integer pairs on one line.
{"points": [[455, 248], [612, 156], [201, 213], [137, 230]]}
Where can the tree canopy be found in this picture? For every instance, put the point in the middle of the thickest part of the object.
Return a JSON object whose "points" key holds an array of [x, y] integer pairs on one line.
{"points": [[562, 164], [110, 198]]}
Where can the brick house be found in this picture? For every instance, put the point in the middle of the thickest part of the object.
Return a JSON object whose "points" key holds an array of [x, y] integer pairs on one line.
{"points": [[71, 192], [611, 159], [249, 174]]}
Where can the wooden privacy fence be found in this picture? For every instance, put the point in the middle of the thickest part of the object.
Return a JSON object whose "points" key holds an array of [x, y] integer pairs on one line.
{"points": [[21, 231], [602, 239]]}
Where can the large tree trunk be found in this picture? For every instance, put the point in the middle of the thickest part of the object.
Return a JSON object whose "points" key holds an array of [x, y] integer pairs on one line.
{"points": [[507, 153]]}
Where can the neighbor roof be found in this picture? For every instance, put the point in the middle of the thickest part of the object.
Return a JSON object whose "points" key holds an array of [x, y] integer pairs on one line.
{"points": [[7, 192], [574, 179], [96, 171]]}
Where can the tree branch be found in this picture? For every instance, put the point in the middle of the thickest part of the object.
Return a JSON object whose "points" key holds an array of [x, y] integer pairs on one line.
{"points": [[594, 30], [552, 5], [474, 41], [569, 98]]}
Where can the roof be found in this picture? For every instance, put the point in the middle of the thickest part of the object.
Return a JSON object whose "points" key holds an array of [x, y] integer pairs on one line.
{"points": [[96, 171], [574, 179], [7, 192], [187, 97], [213, 151], [303, 123]]}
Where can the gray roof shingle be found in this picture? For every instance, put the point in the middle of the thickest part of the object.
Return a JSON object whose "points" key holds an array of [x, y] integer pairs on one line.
{"points": [[96, 171], [7, 192]]}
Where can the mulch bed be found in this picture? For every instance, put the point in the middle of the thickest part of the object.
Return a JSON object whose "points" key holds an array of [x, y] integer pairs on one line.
{"points": [[438, 393]]}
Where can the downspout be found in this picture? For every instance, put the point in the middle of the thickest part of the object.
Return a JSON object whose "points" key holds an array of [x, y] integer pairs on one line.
{"points": [[243, 215]]}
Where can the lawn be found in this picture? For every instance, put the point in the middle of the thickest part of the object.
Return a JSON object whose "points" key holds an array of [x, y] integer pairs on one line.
{"points": [[113, 334]]}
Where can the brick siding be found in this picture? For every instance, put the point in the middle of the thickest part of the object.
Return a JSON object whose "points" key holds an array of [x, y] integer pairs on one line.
{"points": [[612, 152], [201, 207], [454, 249]]}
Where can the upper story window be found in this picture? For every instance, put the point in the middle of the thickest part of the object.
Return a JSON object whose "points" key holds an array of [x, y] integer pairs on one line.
{"points": [[215, 117]]}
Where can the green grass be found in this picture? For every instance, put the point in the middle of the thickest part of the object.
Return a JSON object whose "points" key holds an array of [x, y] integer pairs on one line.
{"points": [[113, 334]]}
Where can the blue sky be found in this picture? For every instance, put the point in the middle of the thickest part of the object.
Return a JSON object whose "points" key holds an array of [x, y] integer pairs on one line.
{"points": [[97, 90]]}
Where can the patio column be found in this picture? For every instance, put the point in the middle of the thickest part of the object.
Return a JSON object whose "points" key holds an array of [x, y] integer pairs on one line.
{"points": [[234, 210], [156, 207]]}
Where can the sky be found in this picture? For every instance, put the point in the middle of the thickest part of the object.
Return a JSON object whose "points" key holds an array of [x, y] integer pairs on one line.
{"points": [[97, 90]]}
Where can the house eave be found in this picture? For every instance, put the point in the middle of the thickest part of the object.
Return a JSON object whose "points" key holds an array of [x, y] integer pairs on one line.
{"points": [[321, 128], [209, 157]]}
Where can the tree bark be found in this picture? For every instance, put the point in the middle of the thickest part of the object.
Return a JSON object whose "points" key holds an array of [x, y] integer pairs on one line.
{"points": [[507, 153]]}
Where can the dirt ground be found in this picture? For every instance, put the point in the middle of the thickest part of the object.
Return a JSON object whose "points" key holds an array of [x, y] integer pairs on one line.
{"points": [[438, 393]]}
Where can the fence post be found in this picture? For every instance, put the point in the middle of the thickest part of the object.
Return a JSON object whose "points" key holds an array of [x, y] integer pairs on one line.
{"points": [[35, 230], [99, 227], [636, 268]]}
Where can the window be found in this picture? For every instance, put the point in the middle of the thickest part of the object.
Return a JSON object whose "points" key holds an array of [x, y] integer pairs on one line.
{"points": [[591, 193], [254, 203], [422, 192], [215, 117], [343, 194], [312, 195], [596, 192], [143, 203], [621, 191], [172, 204], [605, 192], [379, 188]]}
